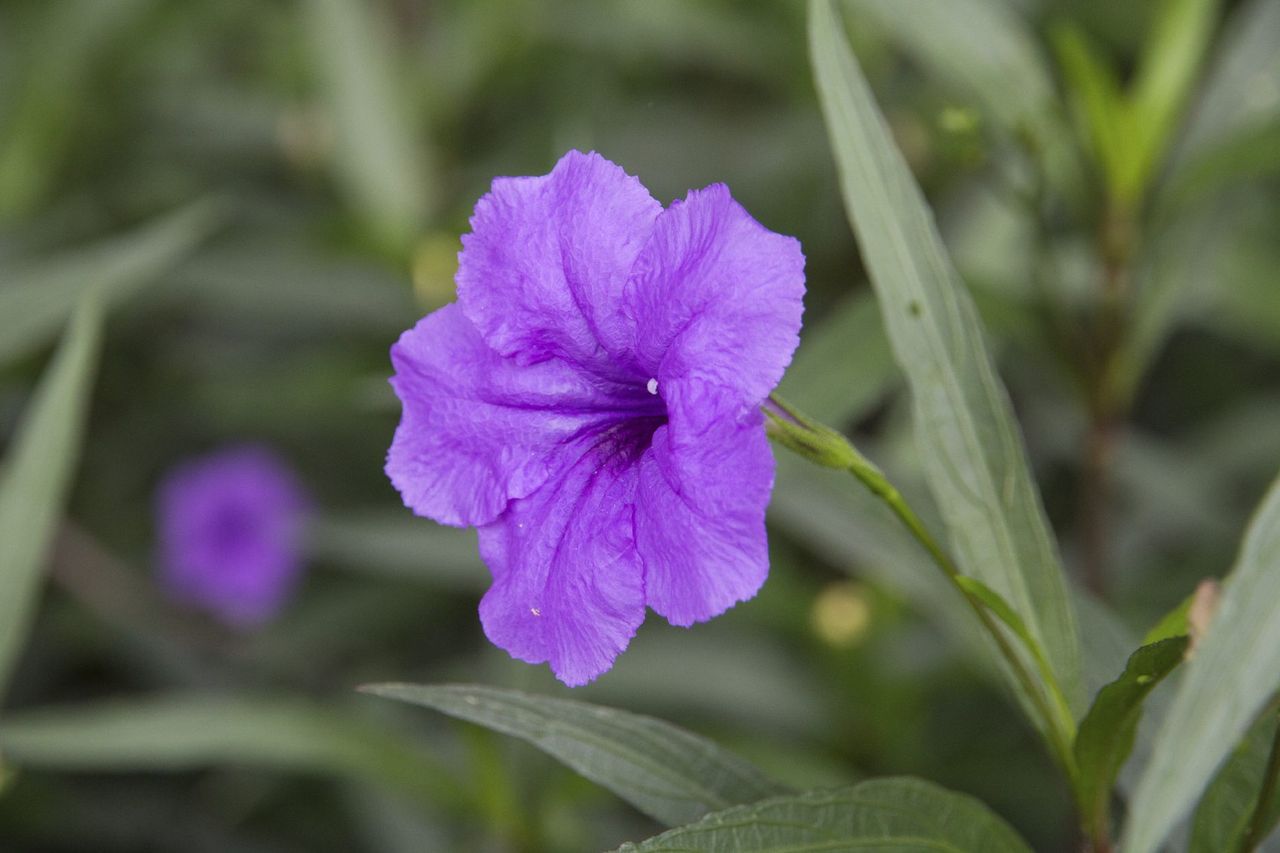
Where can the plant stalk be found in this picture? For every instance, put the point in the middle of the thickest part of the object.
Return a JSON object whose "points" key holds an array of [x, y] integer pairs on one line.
{"points": [[1116, 243], [826, 447]]}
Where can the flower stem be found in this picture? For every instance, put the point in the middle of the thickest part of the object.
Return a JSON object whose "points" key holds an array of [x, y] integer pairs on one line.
{"points": [[1107, 406], [829, 448]]}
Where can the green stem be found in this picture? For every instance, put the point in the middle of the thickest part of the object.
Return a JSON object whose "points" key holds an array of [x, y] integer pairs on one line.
{"points": [[829, 448], [1106, 404]]}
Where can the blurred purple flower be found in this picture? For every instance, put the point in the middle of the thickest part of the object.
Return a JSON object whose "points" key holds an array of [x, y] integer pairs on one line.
{"points": [[230, 527], [592, 404]]}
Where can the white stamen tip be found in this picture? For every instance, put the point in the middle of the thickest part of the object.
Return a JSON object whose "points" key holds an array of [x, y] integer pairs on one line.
{"points": [[652, 386], [535, 611]]}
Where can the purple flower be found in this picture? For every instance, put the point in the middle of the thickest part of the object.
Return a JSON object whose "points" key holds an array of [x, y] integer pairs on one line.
{"points": [[230, 527], [592, 404]]}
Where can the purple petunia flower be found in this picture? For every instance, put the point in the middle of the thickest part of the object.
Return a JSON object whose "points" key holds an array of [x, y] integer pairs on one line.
{"points": [[230, 527], [592, 404]]}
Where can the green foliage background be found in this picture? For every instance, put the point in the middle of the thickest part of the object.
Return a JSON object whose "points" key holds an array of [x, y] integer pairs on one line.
{"points": [[267, 194]]}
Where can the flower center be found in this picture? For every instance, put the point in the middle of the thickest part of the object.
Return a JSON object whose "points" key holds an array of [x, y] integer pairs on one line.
{"points": [[234, 529], [622, 442]]}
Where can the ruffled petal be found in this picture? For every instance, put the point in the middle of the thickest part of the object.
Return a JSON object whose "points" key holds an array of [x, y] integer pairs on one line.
{"points": [[542, 271], [477, 429], [568, 586], [717, 296], [704, 486]]}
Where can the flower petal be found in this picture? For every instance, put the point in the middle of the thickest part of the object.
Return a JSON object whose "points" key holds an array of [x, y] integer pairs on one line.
{"points": [[543, 268], [704, 486], [230, 533], [568, 586], [716, 295], [478, 429]]}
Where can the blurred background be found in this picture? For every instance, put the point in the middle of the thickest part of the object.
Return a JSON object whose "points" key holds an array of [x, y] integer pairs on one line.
{"points": [[271, 192]]}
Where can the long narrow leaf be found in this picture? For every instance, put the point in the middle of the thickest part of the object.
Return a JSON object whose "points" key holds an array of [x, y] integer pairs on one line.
{"points": [[837, 517], [844, 367], [50, 90], [882, 814], [1099, 104], [1231, 802], [37, 476], [397, 544], [992, 601], [666, 772], [1232, 129], [1235, 670], [1239, 90], [377, 160], [186, 731], [1108, 731], [36, 299], [970, 444], [1167, 73], [983, 50]]}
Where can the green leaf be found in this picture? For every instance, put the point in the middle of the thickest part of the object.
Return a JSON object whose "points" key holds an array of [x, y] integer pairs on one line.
{"points": [[186, 731], [836, 516], [1231, 132], [669, 774], [37, 476], [377, 160], [1172, 624], [1239, 90], [993, 601], [1232, 135], [1235, 670], [1131, 132], [1105, 639], [35, 300], [738, 678], [1108, 644], [968, 439], [1107, 732], [1223, 816], [843, 368], [1100, 106], [1249, 153], [896, 814], [280, 288], [1165, 76], [1177, 277], [663, 33], [62, 53], [981, 49], [402, 545]]}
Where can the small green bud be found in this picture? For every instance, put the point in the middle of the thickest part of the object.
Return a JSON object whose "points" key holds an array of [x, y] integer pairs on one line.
{"points": [[814, 441]]}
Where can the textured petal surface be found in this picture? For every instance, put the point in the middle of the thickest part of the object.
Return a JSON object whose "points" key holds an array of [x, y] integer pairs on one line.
{"points": [[568, 586], [478, 429], [542, 271], [704, 486], [592, 405], [717, 296]]}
